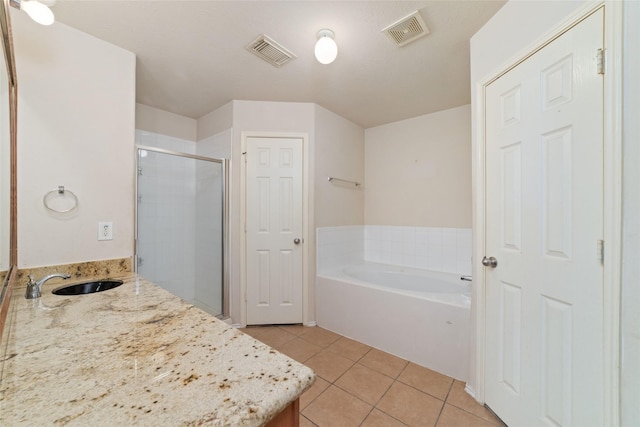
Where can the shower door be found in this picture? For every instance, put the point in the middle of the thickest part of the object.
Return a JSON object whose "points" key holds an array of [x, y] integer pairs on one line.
{"points": [[180, 232]]}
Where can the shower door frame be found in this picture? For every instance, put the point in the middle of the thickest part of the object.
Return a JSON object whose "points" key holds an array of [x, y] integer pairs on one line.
{"points": [[225, 215]]}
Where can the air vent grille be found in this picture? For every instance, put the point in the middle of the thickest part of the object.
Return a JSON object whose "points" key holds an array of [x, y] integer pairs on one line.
{"points": [[407, 29], [270, 51]]}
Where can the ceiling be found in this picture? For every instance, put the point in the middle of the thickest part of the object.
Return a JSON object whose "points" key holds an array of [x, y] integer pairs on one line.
{"points": [[192, 57]]}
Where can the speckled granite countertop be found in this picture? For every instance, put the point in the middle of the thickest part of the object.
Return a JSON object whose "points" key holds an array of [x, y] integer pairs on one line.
{"points": [[137, 355]]}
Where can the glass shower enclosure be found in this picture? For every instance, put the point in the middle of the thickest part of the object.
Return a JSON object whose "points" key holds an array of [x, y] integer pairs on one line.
{"points": [[181, 226]]}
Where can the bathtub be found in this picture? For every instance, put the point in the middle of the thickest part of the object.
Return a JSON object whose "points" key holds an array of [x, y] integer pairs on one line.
{"points": [[418, 315]]}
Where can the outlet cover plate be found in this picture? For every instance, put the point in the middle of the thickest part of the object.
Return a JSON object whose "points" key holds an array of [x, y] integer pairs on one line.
{"points": [[105, 231]]}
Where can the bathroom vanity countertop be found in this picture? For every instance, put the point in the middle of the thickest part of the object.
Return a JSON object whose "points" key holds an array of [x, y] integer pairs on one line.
{"points": [[137, 355]]}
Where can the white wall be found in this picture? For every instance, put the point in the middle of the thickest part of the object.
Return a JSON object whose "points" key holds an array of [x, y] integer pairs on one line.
{"points": [[260, 116], [630, 378], [165, 123], [166, 142], [76, 128], [509, 33], [217, 146], [418, 171], [215, 122], [338, 152]]}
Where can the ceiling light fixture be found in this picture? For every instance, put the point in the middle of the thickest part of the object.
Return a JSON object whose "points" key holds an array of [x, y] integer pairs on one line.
{"points": [[326, 48], [37, 10]]}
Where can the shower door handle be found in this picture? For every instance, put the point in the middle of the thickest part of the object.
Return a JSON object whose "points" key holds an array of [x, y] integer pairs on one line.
{"points": [[296, 241]]}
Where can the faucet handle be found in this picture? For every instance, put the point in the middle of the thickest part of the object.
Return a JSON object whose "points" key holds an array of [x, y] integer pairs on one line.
{"points": [[32, 290]]}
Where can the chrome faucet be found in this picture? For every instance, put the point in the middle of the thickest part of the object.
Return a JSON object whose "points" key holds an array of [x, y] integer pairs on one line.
{"points": [[34, 289]]}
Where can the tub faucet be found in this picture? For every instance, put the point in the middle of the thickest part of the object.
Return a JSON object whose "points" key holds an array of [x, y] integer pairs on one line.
{"points": [[466, 278], [34, 289]]}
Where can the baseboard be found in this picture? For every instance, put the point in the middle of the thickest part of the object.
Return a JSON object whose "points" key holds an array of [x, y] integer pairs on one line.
{"points": [[471, 392]]}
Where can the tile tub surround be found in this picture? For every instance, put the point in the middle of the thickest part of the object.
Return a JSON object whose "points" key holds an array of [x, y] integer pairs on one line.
{"points": [[137, 355], [430, 248]]}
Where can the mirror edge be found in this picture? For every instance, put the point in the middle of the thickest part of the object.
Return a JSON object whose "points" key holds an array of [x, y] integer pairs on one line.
{"points": [[7, 47]]}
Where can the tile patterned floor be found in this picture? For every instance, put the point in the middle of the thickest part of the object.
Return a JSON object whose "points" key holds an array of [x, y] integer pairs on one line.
{"points": [[358, 385]]}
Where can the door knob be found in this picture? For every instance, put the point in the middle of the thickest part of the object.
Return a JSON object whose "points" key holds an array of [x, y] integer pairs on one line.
{"points": [[490, 262], [296, 241]]}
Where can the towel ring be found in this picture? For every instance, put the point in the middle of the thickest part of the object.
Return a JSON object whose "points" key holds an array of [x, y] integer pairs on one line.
{"points": [[59, 193]]}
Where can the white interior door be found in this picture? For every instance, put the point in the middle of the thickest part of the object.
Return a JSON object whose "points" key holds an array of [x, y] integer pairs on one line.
{"points": [[274, 230], [544, 225]]}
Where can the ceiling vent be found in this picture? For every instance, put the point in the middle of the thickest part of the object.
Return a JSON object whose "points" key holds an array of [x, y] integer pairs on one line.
{"points": [[270, 51], [407, 29]]}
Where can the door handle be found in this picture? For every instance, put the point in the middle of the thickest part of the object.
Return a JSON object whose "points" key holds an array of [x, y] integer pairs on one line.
{"points": [[490, 262], [296, 241]]}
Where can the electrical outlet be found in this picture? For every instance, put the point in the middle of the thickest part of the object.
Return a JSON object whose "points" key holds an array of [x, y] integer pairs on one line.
{"points": [[105, 231]]}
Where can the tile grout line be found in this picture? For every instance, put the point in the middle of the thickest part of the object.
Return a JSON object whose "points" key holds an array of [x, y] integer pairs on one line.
{"points": [[425, 392], [449, 391], [374, 406], [367, 416], [395, 379], [316, 425], [346, 391], [382, 397], [323, 348], [463, 409], [444, 402]]}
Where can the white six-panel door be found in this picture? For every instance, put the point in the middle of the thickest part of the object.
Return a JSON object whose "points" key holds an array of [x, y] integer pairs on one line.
{"points": [[544, 225], [274, 230]]}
